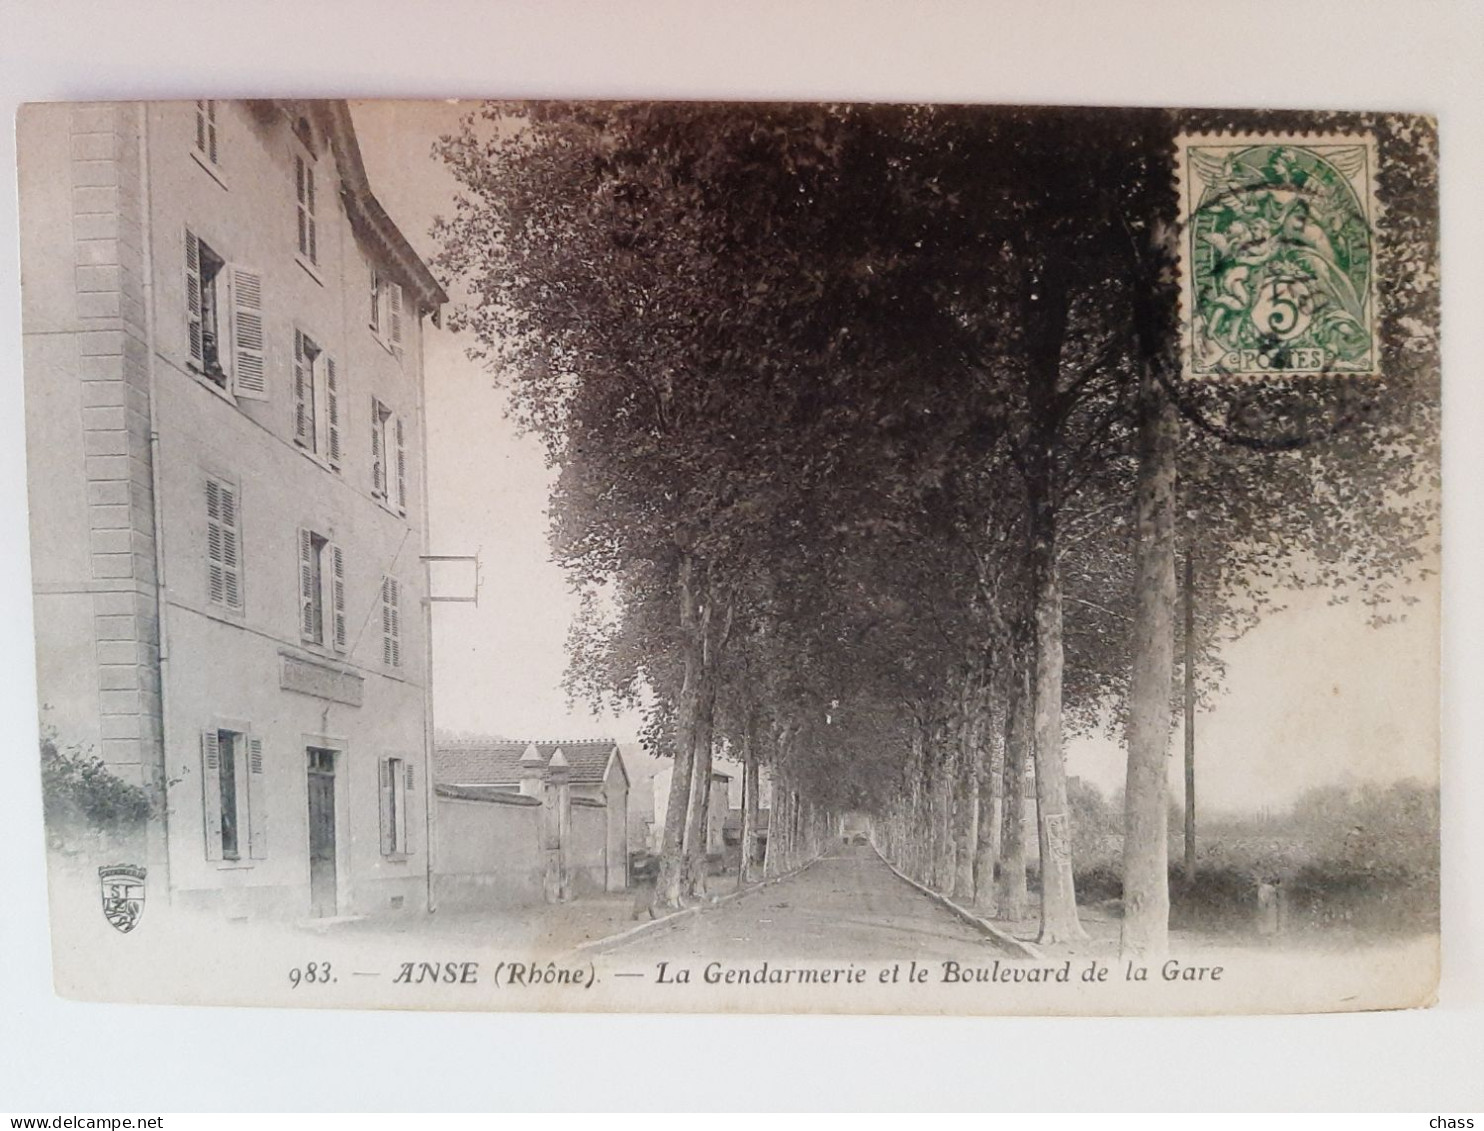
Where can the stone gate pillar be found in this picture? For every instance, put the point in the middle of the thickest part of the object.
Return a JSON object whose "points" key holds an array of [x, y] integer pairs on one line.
{"points": [[530, 772], [556, 829]]}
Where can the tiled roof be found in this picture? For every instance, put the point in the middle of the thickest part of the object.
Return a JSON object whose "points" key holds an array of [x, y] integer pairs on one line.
{"points": [[485, 793], [491, 761]]}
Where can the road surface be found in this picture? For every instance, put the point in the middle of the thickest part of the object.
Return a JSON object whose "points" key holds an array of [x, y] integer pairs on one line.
{"points": [[847, 905]]}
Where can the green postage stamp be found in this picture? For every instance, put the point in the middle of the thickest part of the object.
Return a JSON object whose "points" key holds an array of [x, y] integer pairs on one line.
{"points": [[1276, 254]]}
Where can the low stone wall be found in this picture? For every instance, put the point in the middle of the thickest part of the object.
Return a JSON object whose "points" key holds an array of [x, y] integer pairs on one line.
{"points": [[498, 849], [489, 851], [587, 856]]}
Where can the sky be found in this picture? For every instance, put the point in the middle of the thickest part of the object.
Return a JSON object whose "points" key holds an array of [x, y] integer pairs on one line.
{"points": [[1314, 696]]}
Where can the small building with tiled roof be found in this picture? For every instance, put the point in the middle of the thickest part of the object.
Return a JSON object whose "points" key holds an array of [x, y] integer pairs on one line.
{"points": [[595, 764], [503, 772]]}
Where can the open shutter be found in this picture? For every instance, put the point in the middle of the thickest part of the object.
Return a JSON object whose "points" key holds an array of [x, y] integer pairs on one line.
{"points": [[231, 547], [378, 457], [193, 299], [332, 412], [301, 193], [394, 304], [216, 576], [223, 557], [211, 793], [401, 469], [404, 808], [386, 786], [313, 252], [303, 391], [308, 598], [386, 621], [257, 799], [410, 808], [206, 128], [391, 622], [249, 373], [337, 595], [396, 618]]}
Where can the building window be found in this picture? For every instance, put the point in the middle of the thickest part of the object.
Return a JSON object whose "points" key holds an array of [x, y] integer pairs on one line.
{"points": [[235, 806], [224, 321], [391, 622], [316, 400], [223, 546], [203, 307], [321, 591], [206, 130], [388, 457], [386, 310], [304, 189], [226, 743], [396, 826]]}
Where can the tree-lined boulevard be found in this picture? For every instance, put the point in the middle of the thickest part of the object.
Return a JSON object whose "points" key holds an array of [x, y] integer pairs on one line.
{"points": [[877, 466]]}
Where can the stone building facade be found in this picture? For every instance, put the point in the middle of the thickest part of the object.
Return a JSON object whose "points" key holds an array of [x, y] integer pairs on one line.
{"points": [[223, 350]]}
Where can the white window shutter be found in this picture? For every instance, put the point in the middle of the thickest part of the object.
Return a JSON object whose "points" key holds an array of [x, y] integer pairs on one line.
{"points": [[391, 622], [216, 579], [231, 546], [303, 391], [375, 320], [249, 370], [403, 786], [386, 621], [194, 332], [332, 412], [308, 598], [301, 193], [401, 469], [223, 553], [211, 792], [396, 595], [337, 595], [313, 252], [211, 131], [386, 785], [394, 303], [378, 457], [257, 798]]}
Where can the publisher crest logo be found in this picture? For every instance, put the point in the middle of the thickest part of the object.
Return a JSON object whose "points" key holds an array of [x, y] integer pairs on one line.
{"points": [[123, 895]]}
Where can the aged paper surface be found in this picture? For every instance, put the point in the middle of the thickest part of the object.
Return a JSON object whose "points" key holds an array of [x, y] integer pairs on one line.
{"points": [[959, 492]]}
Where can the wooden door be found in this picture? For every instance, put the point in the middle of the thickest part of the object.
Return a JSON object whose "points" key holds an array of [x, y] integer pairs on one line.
{"points": [[322, 901]]}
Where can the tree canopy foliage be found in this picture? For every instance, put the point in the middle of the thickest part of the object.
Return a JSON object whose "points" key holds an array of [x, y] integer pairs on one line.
{"points": [[850, 407]]}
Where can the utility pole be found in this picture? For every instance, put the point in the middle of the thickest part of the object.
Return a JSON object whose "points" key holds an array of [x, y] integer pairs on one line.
{"points": [[1189, 715]]}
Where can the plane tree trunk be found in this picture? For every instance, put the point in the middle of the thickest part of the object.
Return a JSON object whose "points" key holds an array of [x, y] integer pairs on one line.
{"points": [[1146, 891], [991, 799], [1046, 319], [747, 868], [668, 885], [1012, 892], [699, 816]]}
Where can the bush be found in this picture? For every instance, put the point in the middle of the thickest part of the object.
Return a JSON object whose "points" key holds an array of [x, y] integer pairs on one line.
{"points": [[1220, 897], [1330, 893], [78, 788], [1099, 882]]}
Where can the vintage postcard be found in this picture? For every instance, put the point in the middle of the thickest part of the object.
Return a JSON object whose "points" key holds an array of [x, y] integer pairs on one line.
{"points": [[735, 557]]}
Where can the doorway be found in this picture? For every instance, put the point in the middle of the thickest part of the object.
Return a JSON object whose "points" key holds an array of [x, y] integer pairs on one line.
{"points": [[322, 881]]}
